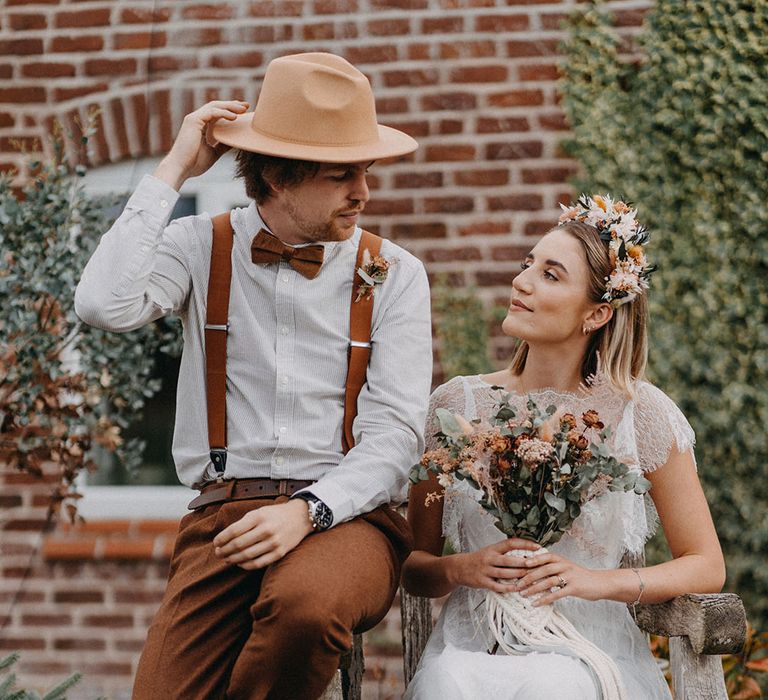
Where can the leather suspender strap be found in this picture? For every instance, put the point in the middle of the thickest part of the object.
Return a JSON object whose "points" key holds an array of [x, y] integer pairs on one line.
{"points": [[360, 315], [216, 330]]}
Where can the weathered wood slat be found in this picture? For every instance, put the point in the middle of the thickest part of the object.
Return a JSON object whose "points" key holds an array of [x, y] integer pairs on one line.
{"points": [[695, 676], [347, 682], [352, 676], [333, 691], [714, 623], [416, 619]]}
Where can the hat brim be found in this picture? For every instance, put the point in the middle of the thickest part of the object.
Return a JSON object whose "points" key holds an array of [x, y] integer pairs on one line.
{"points": [[239, 133]]}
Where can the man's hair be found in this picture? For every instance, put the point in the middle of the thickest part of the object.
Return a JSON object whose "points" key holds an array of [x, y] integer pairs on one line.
{"points": [[260, 171], [621, 345]]}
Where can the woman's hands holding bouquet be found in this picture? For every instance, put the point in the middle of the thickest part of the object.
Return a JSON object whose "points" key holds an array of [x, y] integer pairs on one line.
{"points": [[491, 567], [556, 577]]}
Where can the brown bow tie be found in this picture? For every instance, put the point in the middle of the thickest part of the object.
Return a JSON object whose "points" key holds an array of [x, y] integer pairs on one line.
{"points": [[306, 260]]}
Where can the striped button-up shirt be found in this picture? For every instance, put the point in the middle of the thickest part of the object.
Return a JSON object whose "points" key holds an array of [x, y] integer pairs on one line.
{"points": [[286, 356]]}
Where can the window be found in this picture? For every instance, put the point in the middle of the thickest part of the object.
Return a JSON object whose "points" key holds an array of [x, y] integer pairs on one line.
{"points": [[155, 491]]}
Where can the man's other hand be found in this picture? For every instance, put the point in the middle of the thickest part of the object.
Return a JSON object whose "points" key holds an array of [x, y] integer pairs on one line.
{"points": [[264, 535]]}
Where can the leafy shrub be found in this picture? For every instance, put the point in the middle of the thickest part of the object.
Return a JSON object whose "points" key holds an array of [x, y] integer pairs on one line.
{"points": [[67, 389]]}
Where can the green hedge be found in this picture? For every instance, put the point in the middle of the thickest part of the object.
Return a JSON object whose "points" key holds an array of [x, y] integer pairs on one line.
{"points": [[683, 133]]}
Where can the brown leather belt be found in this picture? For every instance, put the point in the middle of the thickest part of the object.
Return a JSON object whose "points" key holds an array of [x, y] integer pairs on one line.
{"points": [[244, 489]]}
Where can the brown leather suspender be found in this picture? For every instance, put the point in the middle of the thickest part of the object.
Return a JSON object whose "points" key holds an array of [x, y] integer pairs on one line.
{"points": [[216, 329], [360, 314]]}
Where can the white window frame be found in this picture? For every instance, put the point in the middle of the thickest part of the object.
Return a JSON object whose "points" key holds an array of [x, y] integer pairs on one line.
{"points": [[216, 191]]}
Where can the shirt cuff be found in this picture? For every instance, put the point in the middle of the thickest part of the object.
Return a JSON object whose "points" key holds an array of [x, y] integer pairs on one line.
{"points": [[155, 198]]}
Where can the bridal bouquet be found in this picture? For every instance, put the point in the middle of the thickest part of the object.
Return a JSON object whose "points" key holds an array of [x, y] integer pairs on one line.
{"points": [[534, 473]]}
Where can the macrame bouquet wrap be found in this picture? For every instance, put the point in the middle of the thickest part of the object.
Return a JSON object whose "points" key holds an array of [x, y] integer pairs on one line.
{"points": [[545, 628], [534, 470]]}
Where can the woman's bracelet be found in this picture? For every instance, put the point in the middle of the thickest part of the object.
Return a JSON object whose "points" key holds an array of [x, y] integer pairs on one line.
{"points": [[639, 594]]}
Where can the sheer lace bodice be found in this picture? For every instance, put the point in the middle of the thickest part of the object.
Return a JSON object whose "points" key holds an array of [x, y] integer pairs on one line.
{"points": [[644, 431]]}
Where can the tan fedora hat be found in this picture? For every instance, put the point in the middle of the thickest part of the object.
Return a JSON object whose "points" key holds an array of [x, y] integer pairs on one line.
{"points": [[317, 107]]}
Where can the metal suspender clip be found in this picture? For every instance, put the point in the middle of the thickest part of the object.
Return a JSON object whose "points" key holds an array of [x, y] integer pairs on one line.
{"points": [[359, 344], [217, 327], [219, 459]]}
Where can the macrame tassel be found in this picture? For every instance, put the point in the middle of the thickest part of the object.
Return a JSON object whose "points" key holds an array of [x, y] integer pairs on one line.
{"points": [[544, 626]]}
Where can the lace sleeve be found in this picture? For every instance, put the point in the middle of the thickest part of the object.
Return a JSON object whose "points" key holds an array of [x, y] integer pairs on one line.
{"points": [[659, 426]]}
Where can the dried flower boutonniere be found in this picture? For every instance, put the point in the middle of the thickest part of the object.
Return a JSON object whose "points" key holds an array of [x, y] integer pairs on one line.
{"points": [[373, 271]]}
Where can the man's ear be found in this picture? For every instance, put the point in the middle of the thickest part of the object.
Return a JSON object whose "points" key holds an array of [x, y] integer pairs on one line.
{"points": [[599, 316], [273, 188]]}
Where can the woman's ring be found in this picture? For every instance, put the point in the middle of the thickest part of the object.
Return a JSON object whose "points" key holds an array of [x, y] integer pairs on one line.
{"points": [[562, 582]]}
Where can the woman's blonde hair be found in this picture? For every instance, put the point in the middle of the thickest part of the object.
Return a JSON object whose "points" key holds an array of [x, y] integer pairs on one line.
{"points": [[621, 345]]}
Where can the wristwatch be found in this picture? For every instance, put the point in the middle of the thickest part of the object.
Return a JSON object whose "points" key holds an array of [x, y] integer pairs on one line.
{"points": [[319, 513]]}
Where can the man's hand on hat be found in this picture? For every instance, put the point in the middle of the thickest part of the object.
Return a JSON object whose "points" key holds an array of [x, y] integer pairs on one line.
{"points": [[194, 150], [263, 536]]}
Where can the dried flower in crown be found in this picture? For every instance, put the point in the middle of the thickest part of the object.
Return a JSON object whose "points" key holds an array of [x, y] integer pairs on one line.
{"points": [[617, 225], [373, 271]]}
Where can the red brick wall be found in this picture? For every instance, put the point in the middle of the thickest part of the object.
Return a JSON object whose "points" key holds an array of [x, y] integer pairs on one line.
{"points": [[76, 601], [474, 81]]}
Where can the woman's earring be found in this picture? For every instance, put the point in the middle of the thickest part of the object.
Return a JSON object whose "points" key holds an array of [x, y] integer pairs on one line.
{"points": [[586, 330]]}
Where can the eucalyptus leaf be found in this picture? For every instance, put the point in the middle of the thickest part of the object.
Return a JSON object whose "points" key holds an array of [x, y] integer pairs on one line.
{"points": [[448, 423], [555, 501]]}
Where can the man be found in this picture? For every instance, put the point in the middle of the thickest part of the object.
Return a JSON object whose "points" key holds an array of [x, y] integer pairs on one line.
{"points": [[265, 590]]}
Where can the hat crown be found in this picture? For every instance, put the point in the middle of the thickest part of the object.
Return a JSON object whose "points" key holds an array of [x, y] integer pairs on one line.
{"points": [[316, 107], [317, 99]]}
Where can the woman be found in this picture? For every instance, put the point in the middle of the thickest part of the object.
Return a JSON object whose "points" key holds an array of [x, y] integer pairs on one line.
{"points": [[579, 309]]}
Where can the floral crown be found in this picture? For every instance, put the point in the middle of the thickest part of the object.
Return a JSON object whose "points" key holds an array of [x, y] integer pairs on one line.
{"points": [[618, 227]]}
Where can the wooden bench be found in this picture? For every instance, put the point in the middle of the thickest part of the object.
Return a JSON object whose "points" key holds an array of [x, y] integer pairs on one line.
{"points": [[700, 628]]}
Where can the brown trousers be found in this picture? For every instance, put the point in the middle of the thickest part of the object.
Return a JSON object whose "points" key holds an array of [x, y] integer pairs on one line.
{"points": [[223, 632]]}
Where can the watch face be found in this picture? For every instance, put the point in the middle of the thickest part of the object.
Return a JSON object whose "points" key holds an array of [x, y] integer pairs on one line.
{"points": [[322, 516]]}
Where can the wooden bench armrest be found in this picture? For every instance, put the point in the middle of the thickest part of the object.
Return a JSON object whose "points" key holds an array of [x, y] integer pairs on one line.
{"points": [[713, 623]]}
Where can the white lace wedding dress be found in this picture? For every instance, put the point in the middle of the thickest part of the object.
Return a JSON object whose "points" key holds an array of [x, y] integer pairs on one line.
{"points": [[455, 664]]}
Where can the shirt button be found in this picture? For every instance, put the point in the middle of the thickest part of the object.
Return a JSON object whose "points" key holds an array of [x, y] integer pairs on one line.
{"points": [[284, 277], [283, 429], [279, 461], [284, 330], [164, 203]]}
